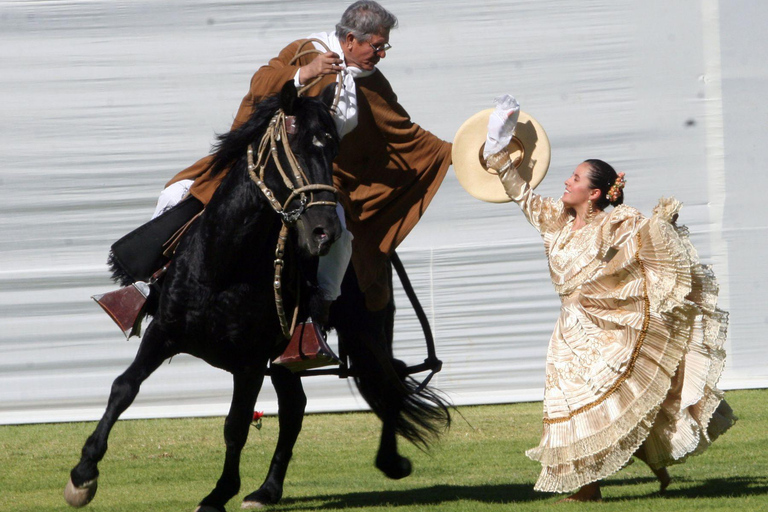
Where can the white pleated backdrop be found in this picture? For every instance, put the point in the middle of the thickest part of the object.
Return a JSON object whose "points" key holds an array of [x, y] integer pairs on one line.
{"points": [[101, 102]]}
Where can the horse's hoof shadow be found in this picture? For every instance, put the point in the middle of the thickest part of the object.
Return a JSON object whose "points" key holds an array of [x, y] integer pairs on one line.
{"points": [[80, 496]]}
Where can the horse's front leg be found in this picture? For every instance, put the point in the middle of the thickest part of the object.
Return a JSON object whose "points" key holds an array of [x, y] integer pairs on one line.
{"points": [[291, 402], [236, 426], [153, 350]]}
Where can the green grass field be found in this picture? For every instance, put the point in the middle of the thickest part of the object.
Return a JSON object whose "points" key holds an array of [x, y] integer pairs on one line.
{"points": [[169, 465]]}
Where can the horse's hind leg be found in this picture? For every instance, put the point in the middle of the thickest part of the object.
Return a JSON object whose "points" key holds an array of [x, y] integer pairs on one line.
{"points": [[236, 426], [152, 352], [367, 338], [291, 402], [384, 386], [419, 415], [388, 459]]}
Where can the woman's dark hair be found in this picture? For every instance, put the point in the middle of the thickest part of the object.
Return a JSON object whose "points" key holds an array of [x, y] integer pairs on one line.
{"points": [[364, 19], [602, 176]]}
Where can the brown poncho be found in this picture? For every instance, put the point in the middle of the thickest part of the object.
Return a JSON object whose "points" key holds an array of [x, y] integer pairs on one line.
{"points": [[387, 171]]}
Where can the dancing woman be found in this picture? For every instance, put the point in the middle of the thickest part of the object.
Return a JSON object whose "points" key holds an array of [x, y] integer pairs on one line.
{"points": [[637, 351]]}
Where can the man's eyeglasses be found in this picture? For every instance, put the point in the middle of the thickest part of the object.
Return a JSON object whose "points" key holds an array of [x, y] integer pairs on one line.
{"points": [[381, 48]]}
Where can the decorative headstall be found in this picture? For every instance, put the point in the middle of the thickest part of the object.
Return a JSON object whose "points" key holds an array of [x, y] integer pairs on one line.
{"points": [[301, 189]]}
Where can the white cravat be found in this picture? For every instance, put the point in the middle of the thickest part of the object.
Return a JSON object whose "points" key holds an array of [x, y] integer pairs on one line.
{"points": [[346, 113]]}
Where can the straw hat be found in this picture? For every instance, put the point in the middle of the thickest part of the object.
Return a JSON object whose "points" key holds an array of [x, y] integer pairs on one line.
{"points": [[529, 150]]}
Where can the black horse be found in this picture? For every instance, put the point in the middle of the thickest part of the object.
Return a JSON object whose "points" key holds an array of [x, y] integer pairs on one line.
{"points": [[217, 302]]}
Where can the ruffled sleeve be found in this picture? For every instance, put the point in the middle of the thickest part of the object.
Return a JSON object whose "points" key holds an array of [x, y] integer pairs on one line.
{"points": [[668, 257], [544, 213], [656, 243]]}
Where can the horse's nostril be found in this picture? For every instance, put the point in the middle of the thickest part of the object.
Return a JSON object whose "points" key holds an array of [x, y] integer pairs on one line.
{"points": [[320, 233]]}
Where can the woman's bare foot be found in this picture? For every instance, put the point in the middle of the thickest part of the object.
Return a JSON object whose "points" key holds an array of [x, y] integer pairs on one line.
{"points": [[590, 492]]}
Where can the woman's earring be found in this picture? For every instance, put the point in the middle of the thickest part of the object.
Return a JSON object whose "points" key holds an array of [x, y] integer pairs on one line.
{"points": [[590, 211]]}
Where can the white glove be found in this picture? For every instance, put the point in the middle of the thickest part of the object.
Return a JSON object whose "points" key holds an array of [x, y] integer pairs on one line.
{"points": [[501, 124]]}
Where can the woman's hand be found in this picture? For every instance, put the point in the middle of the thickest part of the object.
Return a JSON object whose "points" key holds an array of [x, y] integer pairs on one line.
{"points": [[326, 64], [501, 124]]}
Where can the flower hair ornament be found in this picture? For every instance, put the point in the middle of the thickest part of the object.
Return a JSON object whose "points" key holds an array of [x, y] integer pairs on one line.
{"points": [[615, 191]]}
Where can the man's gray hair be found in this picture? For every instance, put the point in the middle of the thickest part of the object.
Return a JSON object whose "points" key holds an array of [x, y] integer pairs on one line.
{"points": [[364, 19]]}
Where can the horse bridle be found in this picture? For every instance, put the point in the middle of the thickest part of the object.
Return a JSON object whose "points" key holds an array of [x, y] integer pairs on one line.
{"points": [[296, 181]]}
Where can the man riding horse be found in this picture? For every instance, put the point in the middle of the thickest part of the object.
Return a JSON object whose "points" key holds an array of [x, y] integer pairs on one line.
{"points": [[388, 168], [386, 172]]}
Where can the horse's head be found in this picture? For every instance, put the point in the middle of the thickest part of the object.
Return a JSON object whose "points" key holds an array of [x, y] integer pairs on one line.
{"points": [[307, 143], [290, 143]]}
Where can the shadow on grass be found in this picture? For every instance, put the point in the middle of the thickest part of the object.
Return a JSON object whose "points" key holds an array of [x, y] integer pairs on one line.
{"points": [[435, 495], [733, 487]]}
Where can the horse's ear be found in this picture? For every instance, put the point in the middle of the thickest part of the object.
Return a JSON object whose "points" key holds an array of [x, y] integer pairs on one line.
{"points": [[288, 95], [329, 94]]}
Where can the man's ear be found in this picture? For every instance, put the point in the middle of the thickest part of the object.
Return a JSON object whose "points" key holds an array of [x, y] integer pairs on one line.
{"points": [[288, 95]]}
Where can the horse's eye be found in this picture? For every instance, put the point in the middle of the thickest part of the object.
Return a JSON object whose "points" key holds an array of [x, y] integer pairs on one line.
{"points": [[317, 142]]}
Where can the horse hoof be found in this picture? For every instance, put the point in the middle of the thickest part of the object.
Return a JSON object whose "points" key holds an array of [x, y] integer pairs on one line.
{"points": [[261, 499], [80, 496], [405, 469], [400, 469]]}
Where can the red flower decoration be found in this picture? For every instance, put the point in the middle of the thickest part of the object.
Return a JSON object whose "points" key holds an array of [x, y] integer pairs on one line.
{"points": [[257, 415]]}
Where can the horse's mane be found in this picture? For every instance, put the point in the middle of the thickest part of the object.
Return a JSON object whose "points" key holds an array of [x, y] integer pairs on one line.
{"points": [[232, 145], [310, 113]]}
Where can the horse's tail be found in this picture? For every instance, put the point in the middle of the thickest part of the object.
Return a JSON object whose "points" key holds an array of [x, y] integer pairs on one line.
{"points": [[424, 414]]}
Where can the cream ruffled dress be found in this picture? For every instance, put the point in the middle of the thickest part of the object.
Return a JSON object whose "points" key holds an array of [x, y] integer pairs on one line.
{"points": [[638, 349]]}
